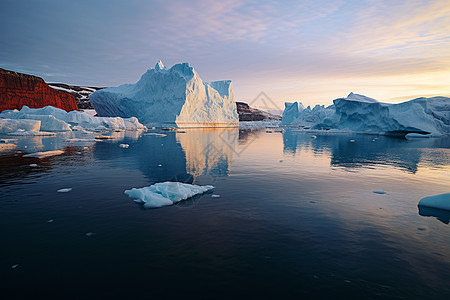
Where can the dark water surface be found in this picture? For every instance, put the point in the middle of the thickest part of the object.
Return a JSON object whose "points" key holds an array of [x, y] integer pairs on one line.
{"points": [[297, 217]]}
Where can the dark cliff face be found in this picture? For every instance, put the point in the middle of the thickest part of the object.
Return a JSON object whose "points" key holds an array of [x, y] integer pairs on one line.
{"points": [[247, 113], [17, 90]]}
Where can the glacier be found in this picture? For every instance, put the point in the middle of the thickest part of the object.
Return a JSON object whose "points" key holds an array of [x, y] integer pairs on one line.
{"points": [[427, 116], [165, 193], [175, 96], [50, 118]]}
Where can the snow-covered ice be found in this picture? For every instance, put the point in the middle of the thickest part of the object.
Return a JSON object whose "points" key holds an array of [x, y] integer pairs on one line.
{"points": [[50, 118], [438, 201], [165, 193], [430, 116], [125, 146], [8, 125], [176, 96]]}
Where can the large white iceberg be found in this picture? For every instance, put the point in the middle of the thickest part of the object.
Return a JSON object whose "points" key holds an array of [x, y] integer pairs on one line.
{"points": [[165, 193], [439, 201], [51, 118], [364, 114], [175, 96]]}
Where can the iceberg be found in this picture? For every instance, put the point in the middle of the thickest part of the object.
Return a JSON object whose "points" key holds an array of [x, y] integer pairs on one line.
{"points": [[428, 116], [165, 193], [170, 96], [12, 125], [51, 118], [438, 201]]}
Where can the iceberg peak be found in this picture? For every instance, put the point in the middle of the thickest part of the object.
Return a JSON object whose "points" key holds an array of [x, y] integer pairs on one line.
{"points": [[159, 66], [360, 98]]}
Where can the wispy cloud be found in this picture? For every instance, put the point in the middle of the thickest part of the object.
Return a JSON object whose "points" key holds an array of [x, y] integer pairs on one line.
{"points": [[288, 48]]}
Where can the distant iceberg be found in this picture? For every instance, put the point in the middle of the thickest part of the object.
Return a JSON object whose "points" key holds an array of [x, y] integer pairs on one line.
{"points": [[173, 96], [165, 193], [51, 118], [360, 113]]}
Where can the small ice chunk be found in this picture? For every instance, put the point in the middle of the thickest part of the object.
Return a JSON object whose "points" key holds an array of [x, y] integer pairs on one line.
{"points": [[64, 190], [90, 234], [439, 201], [379, 192], [104, 137], [125, 146], [215, 196], [44, 154], [165, 193], [14, 266], [314, 137], [50, 221], [352, 141], [160, 165], [156, 134], [33, 165]]}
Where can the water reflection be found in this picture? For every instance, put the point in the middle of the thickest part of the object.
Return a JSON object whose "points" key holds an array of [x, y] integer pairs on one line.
{"points": [[441, 215], [208, 151], [362, 151], [177, 156]]}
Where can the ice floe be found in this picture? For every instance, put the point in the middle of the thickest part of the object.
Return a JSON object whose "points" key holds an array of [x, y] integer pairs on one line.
{"points": [[165, 193], [438, 201]]}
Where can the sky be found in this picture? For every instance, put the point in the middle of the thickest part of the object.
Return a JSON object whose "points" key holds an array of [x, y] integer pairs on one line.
{"points": [[309, 51]]}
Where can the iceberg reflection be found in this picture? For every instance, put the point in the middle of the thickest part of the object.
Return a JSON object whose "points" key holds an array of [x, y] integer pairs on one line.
{"points": [[365, 151], [441, 215], [209, 151]]}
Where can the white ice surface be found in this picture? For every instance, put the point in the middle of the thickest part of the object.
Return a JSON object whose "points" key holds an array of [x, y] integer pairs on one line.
{"points": [[55, 119], [439, 201], [165, 193], [364, 114], [176, 95], [8, 125]]}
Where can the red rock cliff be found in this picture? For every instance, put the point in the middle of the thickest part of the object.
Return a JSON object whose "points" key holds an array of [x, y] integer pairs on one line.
{"points": [[17, 90]]}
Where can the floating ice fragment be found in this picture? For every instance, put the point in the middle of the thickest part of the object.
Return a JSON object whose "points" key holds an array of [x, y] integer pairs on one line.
{"points": [[156, 134], [125, 146], [352, 141], [104, 137], [314, 137], [159, 165], [14, 266], [439, 201], [90, 234], [215, 196], [65, 190], [33, 165], [50, 221], [379, 192], [44, 154], [165, 193]]}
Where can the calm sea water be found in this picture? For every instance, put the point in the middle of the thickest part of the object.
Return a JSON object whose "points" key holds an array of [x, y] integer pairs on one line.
{"points": [[296, 216]]}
